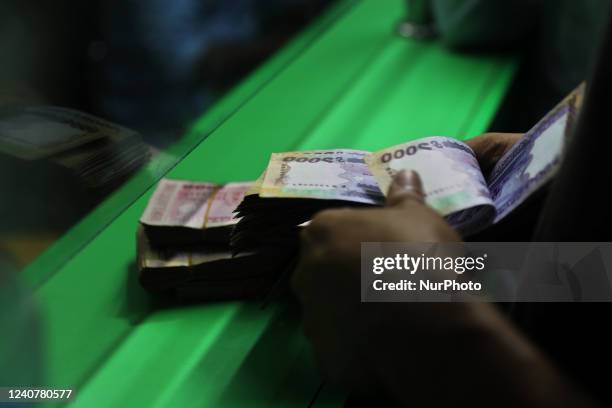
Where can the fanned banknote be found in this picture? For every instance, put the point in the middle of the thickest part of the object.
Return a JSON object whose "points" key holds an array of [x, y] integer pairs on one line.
{"points": [[183, 212], [536, 158], [452, 179], [454, 184]]}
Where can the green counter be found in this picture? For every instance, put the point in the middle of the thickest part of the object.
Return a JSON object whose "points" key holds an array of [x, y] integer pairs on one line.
{"points": [[348, 81]]}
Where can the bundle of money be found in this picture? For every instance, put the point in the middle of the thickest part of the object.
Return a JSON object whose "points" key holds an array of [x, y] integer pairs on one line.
{"points": [[203, 271], [183, 244], [100, 153], [296, 185], [182, 212]]}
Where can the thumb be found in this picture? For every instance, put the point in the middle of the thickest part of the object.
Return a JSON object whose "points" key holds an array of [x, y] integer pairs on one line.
{"points": [[406, 186]]}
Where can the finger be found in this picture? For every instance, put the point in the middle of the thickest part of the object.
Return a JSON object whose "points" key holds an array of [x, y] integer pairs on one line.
{"points": [[406, 187], [318, 230], [490, 147], [300, 277], [308, 263]]}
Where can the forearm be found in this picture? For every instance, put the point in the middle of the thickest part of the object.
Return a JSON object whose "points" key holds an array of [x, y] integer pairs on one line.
{"points": [[480, 361]]}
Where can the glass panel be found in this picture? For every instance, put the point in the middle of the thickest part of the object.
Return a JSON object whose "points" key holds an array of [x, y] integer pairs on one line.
{"points": [[163, 74]]}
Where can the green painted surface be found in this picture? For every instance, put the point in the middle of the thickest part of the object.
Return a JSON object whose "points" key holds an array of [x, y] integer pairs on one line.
{"points": [[356, 86]]}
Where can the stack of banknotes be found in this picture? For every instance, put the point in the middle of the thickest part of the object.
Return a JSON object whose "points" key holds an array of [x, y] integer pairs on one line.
{"points": [[183, 244], [99, 153], [262, 219]]}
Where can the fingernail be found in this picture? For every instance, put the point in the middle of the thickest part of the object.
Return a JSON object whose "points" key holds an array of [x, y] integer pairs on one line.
{"points": [[406, 178]]}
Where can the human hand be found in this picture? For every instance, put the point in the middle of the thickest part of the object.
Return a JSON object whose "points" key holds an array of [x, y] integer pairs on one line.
{"points": [[490, 147], [412, 351], [327, 277]]}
